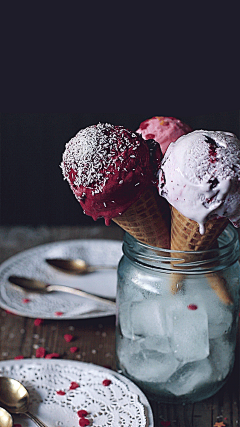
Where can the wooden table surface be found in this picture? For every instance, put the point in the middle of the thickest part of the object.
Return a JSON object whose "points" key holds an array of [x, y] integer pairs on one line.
{"points": [[95, 338]]}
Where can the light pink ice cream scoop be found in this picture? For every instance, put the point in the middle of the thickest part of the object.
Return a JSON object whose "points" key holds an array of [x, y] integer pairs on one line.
{"points": [[200, 176], [164, 130]]}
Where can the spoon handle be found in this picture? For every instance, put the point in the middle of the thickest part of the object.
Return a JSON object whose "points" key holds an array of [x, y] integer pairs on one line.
{"points": [[92, 268], [75, 291], [35, 419]]}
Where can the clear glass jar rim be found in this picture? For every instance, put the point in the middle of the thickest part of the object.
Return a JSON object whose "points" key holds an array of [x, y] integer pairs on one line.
{"points": [[149, 256]]}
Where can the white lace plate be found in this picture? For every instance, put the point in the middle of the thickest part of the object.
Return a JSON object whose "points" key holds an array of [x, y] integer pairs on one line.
{"points": [[121, 403], [60, 305]]}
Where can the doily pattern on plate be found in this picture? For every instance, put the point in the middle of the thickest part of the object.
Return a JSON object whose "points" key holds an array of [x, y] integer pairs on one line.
{"points": [[120, 403], [31, 263]]}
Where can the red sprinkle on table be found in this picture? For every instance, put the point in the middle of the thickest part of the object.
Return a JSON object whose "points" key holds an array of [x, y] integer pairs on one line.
{"points": [[82, 413], [52, 356], [40, 352], [192, 307], [73, 385], [73, 349], [68, 337], [38, 322], [19, 357], [61, 392], [84, 422], [106, 382], [165, 423]]}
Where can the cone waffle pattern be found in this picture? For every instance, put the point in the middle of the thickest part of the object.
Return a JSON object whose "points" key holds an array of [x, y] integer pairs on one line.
{"points": [[185, 236], [148, 220]]}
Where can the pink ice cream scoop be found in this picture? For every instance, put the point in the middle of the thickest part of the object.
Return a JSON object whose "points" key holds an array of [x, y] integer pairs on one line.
{"points": [[200, 176], [164, 130]]}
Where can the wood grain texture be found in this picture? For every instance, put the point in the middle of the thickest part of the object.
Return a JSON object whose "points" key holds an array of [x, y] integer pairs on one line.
{"points": [[95, 338]]}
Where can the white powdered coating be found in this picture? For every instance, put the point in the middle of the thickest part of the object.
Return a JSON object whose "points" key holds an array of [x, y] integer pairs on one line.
{"points": [[200, 176], [93, 151]]}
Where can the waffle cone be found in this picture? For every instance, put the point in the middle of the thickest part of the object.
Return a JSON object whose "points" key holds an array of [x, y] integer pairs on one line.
{"points": [[148, 219], [185, 236]]}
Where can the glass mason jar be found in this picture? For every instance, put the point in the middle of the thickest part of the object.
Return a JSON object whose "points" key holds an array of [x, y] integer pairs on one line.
{"points": [[177, 318]]}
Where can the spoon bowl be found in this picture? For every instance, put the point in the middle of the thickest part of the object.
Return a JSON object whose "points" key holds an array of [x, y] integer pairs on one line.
{"points": [[76, 266], [5, 418], [14, 398], [31, 285]]}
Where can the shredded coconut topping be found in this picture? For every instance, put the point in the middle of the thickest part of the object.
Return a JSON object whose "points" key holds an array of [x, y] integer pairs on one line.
{"points": [[93, 151]]}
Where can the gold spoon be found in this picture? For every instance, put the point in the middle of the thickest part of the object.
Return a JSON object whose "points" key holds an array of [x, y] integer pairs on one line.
{"points": [[14, 398], [76, 266], [5, 418], [34, 285]]}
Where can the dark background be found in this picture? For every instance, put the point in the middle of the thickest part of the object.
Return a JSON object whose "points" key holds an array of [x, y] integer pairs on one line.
{"points": [[32, 189]]}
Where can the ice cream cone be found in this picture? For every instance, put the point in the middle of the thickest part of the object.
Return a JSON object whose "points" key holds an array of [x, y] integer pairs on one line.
{"points": [[148, 219], [185, 236]]}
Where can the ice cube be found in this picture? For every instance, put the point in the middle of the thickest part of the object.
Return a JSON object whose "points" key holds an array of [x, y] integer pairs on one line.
{"points": [[151, 366], [144, 318], [158, 343], [188, 324], [124, 320], [219, 315], [188, 377], [219, 326], [222, 354], [129, 347], [148, 318]]}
